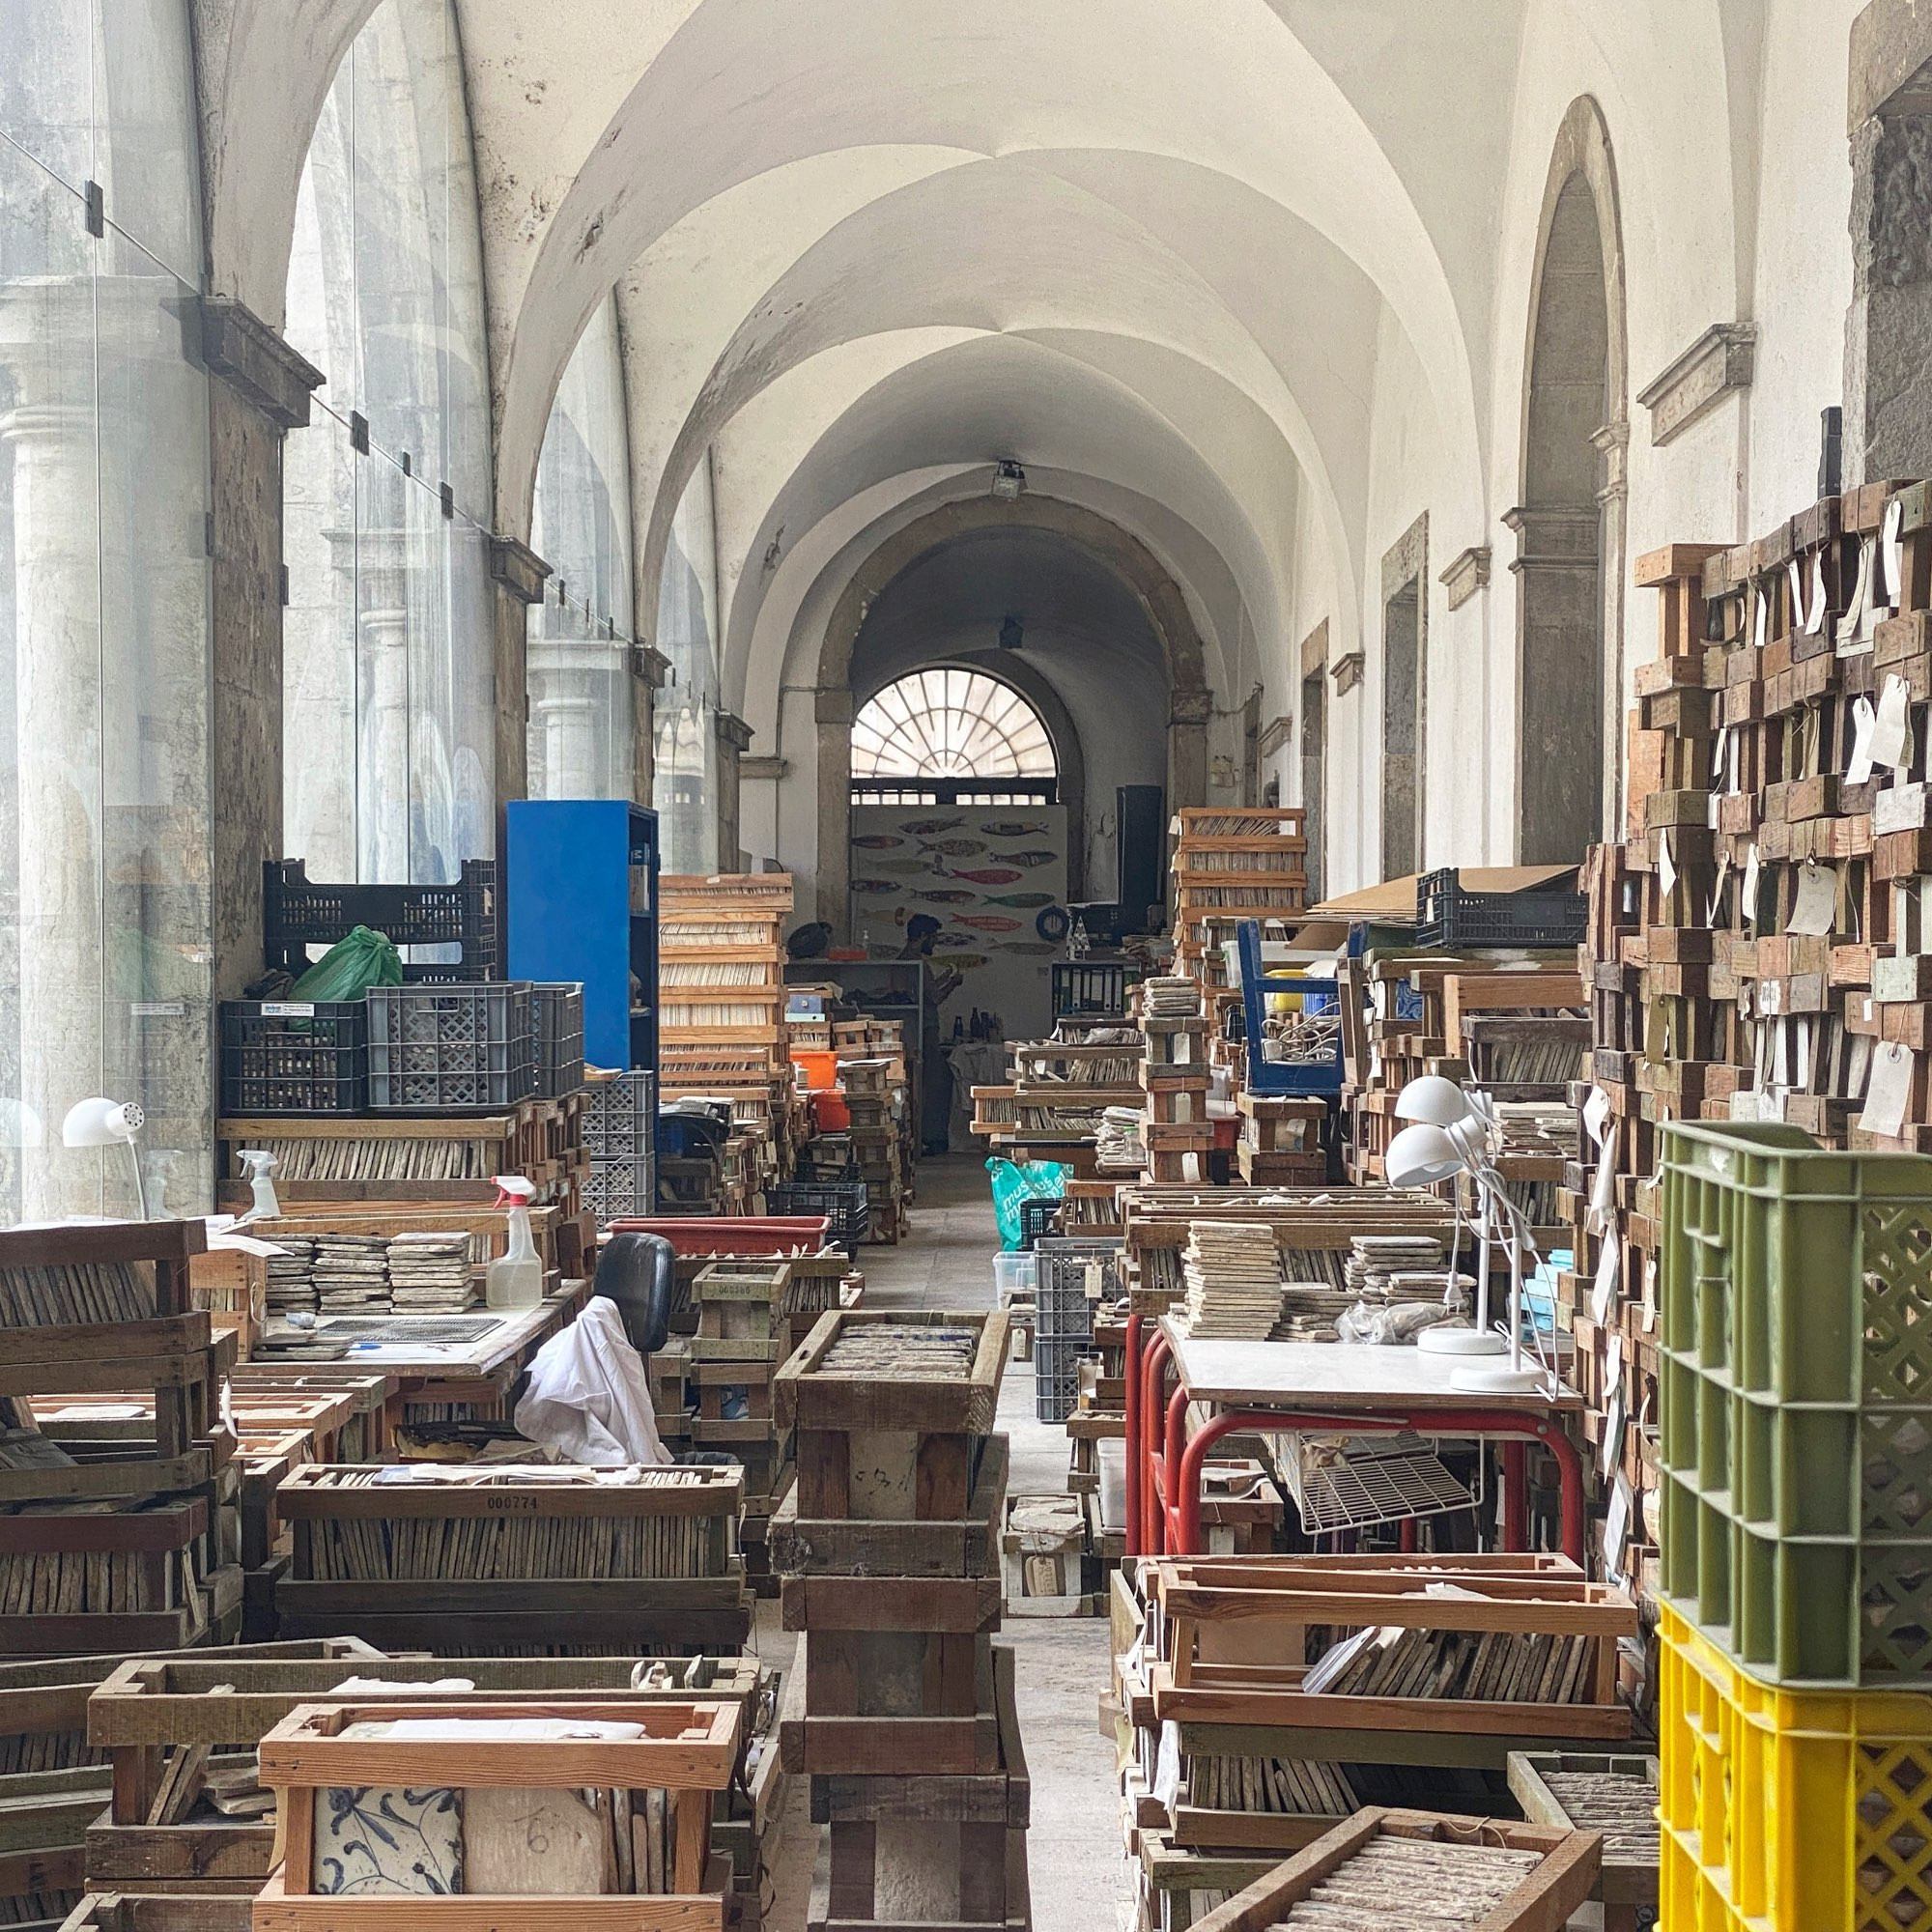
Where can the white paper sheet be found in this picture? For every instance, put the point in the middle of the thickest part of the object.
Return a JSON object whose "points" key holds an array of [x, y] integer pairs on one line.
{"points": [[1889, 1090], [1666, 865], [1891, 734], [1859, 767], [1604, 1292], [1817, 900], [1749, 906]]}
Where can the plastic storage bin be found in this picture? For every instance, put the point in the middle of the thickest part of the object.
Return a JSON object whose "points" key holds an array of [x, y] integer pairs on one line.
{"points": [[557, 1034], [1448, 917], [435, 1049], [620, 1116], [1788, 1810], [843, 1202], [294, 1057], [1056, 1378], [1037, 1218], [1063, 1311], [612, 1188], [1014, 1277], [1796, 1404], [298, 913]]}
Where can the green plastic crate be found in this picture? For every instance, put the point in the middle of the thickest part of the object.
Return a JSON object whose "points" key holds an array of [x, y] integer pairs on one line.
{"points": [[1795, 1403]]}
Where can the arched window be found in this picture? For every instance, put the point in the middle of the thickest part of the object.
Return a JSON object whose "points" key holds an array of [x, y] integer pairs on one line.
{"points": [[105, 922], [581, 717], [389, 711], [949, 724]]}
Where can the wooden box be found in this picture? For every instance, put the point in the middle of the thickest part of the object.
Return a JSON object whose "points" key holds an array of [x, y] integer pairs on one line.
{"points": [[958, 1735], [1615, 1795], [154, 1710], [504, 1553], [686, 1751], [1502, 1877]]}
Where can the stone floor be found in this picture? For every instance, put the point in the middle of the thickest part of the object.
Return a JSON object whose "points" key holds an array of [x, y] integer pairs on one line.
{"points": [[1080, 1878]]}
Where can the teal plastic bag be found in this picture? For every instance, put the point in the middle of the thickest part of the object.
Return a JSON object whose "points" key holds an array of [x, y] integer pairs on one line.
{"points": [[1013, 1182], [351, 967]]}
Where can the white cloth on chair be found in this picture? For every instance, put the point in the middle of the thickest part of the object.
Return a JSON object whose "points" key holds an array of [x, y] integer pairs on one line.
{"points": [[588, 1397]]}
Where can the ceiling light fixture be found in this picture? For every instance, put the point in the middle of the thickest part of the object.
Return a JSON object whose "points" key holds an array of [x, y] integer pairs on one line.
{"points": [[1009, 480]]}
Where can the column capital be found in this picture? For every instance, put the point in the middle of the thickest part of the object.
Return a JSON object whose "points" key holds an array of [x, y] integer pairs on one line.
{"points": [[732, 732], [1554, 535], [517, 569], [649, 666], [256, 364]]}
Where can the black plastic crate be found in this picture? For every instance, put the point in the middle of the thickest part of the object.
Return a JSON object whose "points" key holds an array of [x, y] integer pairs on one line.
{"points": [[1448, 917], [293, 1056], [298, 913], [843, 1202], [1036, 1217], [556, 1036], [1089, 989], [443, 1049]]}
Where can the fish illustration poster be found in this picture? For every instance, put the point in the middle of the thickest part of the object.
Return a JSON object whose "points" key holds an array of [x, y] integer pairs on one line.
{"points": [[910, 859]]}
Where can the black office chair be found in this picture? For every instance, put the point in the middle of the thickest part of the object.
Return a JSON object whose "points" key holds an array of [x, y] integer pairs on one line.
{"points": [[638, 1273]]}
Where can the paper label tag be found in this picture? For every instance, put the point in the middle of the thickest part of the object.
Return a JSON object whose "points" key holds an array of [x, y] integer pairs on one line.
{"points": [[287, 1009], [1889, 1090], [1817, 900]]}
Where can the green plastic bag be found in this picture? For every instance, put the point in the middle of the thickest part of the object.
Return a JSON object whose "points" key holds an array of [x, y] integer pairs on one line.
{"points": [[351, 967], [1014, 1182]]}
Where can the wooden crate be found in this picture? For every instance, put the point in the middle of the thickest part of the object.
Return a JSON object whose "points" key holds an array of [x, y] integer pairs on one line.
{"points": [[423, 1562], [960, 1737], [895, 1876], [964, 1544], [1388, 1855], [688, 1751], [152, 1709], [882, 1435], [1613, 1794], [892, 1647]]}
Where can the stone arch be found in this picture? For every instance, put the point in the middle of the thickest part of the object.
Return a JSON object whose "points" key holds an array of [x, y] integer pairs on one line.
{"points": [[1569, 522], [1117, 549]]}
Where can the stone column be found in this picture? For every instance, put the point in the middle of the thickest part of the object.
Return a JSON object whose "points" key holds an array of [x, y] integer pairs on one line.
{"points": [[831, 890], [1888, 428], [1187, 718], [734, 739], [383, 801], [261, 392], [648, 669], [518, 573], [1612, 442]]}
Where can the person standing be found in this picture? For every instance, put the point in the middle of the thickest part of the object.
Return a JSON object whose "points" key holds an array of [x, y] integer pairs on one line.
{"points": [[935, 1076]]}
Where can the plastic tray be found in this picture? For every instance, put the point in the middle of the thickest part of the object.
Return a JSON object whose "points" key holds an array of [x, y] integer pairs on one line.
{"points": [[1795, 1403], [1446, 916], [294, 1057], [1786, 1811], [438, 1049]]}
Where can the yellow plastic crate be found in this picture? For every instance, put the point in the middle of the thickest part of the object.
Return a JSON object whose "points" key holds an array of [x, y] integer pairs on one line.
{"points": [[1789, 1811]]}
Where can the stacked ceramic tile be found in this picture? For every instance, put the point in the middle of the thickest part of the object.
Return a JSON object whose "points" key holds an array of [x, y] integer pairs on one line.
{"points": [[432, 1273], [291, 1275], [352, 1272], [1376, 1260], [1233, 1270]]}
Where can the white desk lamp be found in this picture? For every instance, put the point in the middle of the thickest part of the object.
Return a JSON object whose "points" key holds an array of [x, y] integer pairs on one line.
{"points": [[1449, 1135], [98, 1121]]}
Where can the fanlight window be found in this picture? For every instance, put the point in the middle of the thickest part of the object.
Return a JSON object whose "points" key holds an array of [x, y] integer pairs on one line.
{"points": [[949, 725]]}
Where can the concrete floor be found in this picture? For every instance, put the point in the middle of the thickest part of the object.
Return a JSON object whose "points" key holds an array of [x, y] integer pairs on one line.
{"points": [[1080, 1878]]}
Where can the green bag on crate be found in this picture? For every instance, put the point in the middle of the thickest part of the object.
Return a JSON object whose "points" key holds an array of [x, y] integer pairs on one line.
{"points": [[351, 967], [1013, 1182]]}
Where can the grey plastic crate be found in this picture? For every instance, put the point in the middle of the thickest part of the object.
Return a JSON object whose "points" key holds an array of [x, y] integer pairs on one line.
{"points": [[614, 1188], [1056, 1378], [620, 1117], [449, 1049], [1063, 1311], [557, 1034]]}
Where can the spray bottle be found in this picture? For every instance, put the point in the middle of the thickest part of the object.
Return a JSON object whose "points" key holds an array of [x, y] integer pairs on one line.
{"points": [[260, 1166], [515, 1279]]}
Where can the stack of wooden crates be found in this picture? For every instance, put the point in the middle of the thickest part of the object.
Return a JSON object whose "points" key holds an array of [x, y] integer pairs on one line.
{"points": [[721, 1001], [901, 1709]]}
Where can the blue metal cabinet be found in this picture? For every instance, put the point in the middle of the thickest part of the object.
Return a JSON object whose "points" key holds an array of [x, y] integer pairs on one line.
{"points": [[581, 902]]}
